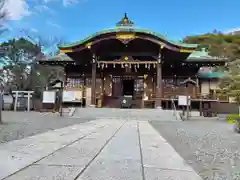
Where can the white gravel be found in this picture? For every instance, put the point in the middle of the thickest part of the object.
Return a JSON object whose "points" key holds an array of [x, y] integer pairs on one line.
{"points": [[18, 125], [210, 146]]}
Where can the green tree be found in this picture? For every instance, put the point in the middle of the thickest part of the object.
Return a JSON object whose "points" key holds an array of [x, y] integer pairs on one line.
{"points": [[230, 84], [20, 55], [218, 44], [3, 19], [23, 71], [228, 46]]}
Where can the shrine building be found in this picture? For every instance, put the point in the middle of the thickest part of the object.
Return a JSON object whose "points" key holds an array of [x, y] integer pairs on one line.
{"points": [[138, 68]]}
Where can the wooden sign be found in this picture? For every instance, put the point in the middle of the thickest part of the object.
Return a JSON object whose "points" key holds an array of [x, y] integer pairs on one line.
{"points": [[68, 96], [49, 97], [183, 100]]}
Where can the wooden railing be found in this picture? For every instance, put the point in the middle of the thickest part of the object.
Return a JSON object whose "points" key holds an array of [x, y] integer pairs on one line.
{"points": [[194, 95]]}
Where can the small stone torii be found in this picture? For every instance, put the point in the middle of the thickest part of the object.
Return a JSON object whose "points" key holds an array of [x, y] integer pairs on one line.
{"points": [[29, 95]]}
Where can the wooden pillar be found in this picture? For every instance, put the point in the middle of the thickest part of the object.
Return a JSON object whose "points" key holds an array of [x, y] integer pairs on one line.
{"points": [[102, 90], [28, 100], [93, 88], [158, 103], [201, 107], [198, 87], [16, 101]]}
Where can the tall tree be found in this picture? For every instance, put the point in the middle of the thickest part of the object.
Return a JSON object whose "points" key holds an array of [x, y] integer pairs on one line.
{"points": [[228, 46], [49, 47], [3, 18], [218, 44], [23, 70]]}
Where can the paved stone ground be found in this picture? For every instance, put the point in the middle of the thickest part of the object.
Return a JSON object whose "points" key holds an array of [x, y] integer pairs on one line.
{"points": [[18, 125], [95, 150], [210, 146]]}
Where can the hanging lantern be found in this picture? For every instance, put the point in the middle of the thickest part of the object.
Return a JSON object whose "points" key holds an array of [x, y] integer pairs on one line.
{"points": [[93, 58], [113, 65], [98, 65], [106, 65], [122, 66], [145, 65], [102, 66], [137, 65], [149, 66]]}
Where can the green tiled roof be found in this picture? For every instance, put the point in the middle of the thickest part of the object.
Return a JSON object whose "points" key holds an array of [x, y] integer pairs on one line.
{"points": [[211, 75], [59, 57], [129, 29], [203, 55], [207, 72], [200, 54]]}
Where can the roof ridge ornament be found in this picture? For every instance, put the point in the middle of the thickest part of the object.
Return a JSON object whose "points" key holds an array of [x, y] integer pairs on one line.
{"points": [[125, 22]]}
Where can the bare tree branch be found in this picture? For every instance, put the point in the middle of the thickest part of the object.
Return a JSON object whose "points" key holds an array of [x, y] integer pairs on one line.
{"points": [[3, 16]]}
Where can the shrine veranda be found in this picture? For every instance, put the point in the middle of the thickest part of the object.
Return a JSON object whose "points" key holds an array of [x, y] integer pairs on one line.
{"points": [[127, 65]]}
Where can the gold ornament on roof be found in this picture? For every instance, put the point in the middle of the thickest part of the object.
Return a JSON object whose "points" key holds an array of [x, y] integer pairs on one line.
{"points": [[126, 58], [125, 22]]}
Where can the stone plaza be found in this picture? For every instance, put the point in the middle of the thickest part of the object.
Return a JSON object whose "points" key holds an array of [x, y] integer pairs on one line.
{"points": [[99, 144], [102, 149]]}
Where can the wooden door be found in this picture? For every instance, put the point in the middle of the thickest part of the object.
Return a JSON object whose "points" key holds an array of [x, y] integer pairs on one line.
{"points": [[116, 87]]}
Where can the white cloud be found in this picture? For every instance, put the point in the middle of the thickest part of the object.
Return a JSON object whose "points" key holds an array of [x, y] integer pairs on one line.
{"points": [[46, 1], [69, 2], [42, 8], [232, 31], [53, 24], [34, 30], [64, 2], [17, 9]]}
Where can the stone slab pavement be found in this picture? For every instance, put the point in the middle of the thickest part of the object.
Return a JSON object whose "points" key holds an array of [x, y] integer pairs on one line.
{"points": [[96, 150]]}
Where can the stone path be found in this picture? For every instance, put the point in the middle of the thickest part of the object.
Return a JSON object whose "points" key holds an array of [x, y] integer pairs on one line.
{"points": [[96, 150]]}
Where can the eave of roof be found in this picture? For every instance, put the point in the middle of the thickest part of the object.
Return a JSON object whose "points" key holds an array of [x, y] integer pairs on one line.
{"points": [[129, 29], [213, 75], [203, 56], [61, 57]]}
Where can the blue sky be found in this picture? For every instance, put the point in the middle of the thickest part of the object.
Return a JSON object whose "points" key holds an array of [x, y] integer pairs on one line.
{"points": [[76, 19]]}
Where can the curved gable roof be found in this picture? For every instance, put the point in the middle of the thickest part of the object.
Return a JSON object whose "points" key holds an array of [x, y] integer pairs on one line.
{"points": [[129, 29]]}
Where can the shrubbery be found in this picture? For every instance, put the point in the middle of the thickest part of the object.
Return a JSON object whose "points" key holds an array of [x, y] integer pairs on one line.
{"points": [[232, 118], [235, 118]]}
